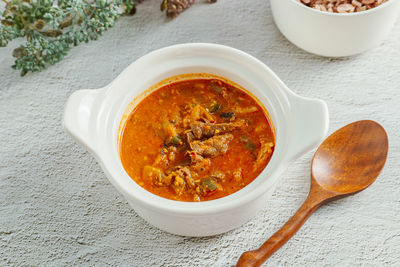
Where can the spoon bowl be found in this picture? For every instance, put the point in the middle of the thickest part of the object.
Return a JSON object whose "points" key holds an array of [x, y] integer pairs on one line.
{"points": [[347, 162], [351, 159]]}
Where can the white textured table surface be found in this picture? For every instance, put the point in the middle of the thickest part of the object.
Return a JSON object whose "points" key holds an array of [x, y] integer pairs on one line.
{"points": [[57, 207]]}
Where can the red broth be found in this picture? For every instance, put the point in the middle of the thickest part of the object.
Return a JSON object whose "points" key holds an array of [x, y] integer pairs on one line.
{"points": [[196, 140]]}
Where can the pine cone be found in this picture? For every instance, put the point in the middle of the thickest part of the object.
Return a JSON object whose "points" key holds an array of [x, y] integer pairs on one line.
{"points": [[175, 7]]}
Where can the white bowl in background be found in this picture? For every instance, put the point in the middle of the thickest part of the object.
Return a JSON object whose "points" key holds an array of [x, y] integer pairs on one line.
{"points": [[93, 118], [334, 34]]}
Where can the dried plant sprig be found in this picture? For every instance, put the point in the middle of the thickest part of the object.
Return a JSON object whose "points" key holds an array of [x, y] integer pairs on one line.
{"points": [[175, 7], [52, 27]]}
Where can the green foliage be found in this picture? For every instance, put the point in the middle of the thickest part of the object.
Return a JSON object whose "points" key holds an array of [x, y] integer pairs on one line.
{"points": [[52, 27]]}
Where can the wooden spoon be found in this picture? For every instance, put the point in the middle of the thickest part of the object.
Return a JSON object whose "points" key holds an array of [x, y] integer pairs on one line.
{"points": [[347, 162]]}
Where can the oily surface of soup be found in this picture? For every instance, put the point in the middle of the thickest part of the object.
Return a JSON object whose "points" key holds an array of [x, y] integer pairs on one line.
{"points": [[196, 140]]}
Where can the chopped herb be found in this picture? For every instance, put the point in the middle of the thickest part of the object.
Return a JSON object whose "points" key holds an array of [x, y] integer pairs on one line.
{"points": [[209, 184], [227, 115], [249, 144], [214, 107], [175, 141]]}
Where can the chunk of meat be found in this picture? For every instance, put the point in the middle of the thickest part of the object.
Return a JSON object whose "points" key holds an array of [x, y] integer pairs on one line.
{"points": [[196, 198], [237, 175], [197, 113], [165, 158], [156, 175], [178, 185], [180, 177], [219, 176], [190, 137], [264, 153], [213, 146], [244, 110], [161, 161], [199, 163], [171, 135], [204, 130]]}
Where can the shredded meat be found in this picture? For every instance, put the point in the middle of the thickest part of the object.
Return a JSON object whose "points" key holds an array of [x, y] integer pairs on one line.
{"points": [[199, 163], [204, 130], [245, 110], [161, 161], [165, 158], [190, 137], [219, 176], [156, 175], [197, 113], [178, 184], [213, 146], [180, 177], [264, 152]]}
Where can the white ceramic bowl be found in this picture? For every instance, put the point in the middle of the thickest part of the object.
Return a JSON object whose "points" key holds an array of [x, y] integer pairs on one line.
{"points": [[93, 118], [334, 34]]}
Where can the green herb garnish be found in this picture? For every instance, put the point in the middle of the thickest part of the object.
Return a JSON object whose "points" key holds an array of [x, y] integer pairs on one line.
{"points": [[52, 27], [209, 184]]}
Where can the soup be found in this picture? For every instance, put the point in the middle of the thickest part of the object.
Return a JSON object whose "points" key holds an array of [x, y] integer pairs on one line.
{"points": [[196, 140]]}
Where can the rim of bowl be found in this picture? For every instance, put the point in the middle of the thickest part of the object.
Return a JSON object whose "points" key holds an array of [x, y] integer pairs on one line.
{"points": [[248, 193], [361, 13]]}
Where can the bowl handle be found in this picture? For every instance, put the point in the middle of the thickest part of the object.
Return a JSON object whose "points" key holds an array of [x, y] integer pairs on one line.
{"points": [[310, 123], [77, 113]]}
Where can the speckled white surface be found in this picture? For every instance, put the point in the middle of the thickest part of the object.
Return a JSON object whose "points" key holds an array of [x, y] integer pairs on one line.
{"points": [[58, 209]]}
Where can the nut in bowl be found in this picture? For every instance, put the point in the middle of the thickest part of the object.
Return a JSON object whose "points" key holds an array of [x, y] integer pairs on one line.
{"points": [[98, 119], [335, 28], [342, 6]]}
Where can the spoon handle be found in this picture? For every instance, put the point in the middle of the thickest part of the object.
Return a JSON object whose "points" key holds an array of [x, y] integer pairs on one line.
{"points": [[258, 256]]}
